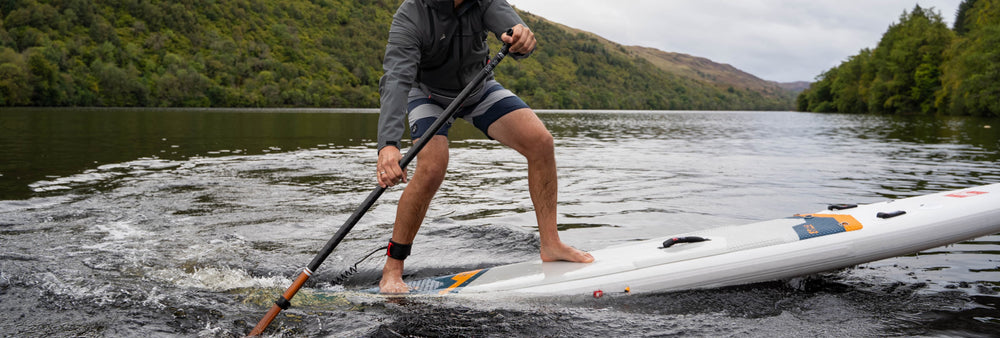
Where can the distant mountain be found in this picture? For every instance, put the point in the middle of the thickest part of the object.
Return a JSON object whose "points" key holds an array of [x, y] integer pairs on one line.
{"points": [[721, 75], [730, 83], [795, 87]]}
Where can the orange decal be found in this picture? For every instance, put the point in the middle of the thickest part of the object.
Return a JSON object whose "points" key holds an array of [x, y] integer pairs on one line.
{"points": [[848, 221], [459, 280]]}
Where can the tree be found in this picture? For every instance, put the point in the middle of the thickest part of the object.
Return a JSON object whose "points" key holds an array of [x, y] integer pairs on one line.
{"points": [[14, 89], [917, 42], [971, 84], [962, 23]]}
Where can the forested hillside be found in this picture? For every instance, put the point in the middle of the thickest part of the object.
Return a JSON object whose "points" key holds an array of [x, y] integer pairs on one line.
{"points": [[294, 53], [920, 66]]}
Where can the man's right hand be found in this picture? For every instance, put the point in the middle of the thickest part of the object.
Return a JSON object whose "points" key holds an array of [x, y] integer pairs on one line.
{"points": [[387, 170], [521, 40]]}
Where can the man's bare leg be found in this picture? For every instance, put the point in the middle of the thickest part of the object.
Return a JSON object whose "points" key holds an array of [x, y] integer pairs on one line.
{"points": [[432, 163], [523, 131]]}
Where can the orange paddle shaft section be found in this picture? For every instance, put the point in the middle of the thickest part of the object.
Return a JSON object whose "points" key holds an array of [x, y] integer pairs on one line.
{"points": [[275, 309]]}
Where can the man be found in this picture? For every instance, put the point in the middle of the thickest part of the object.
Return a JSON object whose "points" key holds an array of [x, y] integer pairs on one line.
{"points": [[435, 48]]}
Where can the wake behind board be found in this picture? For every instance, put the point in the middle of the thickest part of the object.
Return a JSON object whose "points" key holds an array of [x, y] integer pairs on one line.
{"points": [[803, 244]]}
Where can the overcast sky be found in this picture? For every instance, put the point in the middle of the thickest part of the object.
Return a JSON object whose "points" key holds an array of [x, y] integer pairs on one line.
{"points": [[778, 40]]}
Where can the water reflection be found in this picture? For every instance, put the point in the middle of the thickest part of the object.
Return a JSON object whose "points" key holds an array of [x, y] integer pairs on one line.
{"points": [[39, 142]]}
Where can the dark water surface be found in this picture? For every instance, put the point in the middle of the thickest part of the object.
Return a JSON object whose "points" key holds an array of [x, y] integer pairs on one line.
{"points": [[190, 222]]}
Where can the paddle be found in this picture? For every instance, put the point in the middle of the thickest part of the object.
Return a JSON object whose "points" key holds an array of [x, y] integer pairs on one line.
{"points": [[283, 300]]}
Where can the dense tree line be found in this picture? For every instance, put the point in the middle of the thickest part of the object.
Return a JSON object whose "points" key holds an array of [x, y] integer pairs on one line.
{"points": [[308, 53], [191, 53], [920, 66]]}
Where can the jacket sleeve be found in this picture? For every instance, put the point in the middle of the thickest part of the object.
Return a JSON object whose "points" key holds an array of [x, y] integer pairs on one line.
{"points": [[499, 16], [400, 65]]}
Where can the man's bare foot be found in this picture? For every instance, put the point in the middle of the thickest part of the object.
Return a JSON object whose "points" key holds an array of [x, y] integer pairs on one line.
{"points": [[562, 252], [392, 277]]}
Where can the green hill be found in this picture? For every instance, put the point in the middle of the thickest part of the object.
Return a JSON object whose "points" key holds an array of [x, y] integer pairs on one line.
{"points": [[304, 53]]}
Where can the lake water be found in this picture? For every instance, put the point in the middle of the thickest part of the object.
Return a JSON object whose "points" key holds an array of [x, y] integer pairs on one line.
{"points": [[118, 222]]}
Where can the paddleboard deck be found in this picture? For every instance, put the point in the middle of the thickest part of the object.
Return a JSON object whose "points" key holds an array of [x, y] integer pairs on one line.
{"points": [[842, 236]]}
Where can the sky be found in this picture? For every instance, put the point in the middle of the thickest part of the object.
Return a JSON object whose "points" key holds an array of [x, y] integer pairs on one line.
{"points": [[777, 40]]}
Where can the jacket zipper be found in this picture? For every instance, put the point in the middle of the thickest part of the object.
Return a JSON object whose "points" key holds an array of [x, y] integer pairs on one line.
{"points": [[461, 51]]}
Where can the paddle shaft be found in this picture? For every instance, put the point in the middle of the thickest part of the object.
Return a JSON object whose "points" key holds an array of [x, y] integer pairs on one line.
{"points": [[449, 113]]}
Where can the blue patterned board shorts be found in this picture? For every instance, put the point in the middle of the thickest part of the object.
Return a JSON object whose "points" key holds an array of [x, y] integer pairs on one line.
{"points": [[482, 109]]}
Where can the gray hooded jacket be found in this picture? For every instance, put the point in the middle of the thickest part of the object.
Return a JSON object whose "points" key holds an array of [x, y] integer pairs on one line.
{"points": [[440, 47]]}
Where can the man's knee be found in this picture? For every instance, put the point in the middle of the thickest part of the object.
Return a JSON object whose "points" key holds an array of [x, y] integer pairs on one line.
{"points": [[431, 171], [432, 161], [539, 143]]}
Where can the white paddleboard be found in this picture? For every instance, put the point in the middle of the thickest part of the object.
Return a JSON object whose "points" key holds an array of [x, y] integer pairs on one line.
{"points": [[764, 251]]}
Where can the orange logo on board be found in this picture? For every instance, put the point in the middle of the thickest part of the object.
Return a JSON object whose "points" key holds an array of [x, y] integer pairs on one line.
{"points": [[460, 280]]}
